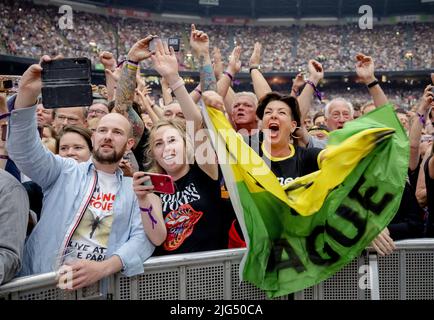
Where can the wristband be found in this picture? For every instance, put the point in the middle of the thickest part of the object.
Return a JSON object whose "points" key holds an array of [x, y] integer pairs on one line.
{"points": [[132, 66], [229, 75], [120, 63], [177, 84], [5, 157], [317, 93], [149, 212], [133, 62], [254, 67], [373, 83]]}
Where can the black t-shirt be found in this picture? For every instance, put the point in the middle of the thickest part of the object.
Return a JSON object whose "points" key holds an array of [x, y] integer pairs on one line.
{"points": [[408, 220], [302, 162], [430, 198], [139, 150], [413, 175], [193, 215]]}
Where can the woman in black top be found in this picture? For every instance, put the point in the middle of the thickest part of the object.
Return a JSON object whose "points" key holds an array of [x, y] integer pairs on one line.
{"points": [[192, 216], [280, 117]]}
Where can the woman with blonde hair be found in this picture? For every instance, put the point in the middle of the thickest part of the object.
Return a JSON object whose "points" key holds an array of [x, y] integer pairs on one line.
{"points": [[192, 215]]}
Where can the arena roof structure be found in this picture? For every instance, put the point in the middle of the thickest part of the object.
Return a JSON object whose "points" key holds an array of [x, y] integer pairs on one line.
{"points": [[255, 9]]}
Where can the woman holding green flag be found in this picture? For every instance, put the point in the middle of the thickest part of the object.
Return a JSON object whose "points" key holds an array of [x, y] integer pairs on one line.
{"points": [[280, 115]]}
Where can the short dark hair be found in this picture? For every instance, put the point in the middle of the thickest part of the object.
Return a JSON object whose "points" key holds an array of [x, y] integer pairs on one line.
{"points": [[317, 115], [290, 101], [84, 132]]}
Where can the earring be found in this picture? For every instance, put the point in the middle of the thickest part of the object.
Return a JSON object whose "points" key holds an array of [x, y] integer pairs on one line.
{"points": [[292, 133]]}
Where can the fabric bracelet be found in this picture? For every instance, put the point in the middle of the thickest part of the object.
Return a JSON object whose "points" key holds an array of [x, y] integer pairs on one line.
{"points": [[373, 83], [317, 93], [229, 75], [149, 212], [132, 66], [177, 84], [421, 118]]}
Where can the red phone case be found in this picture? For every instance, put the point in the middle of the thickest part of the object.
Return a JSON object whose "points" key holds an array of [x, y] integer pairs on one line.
{"points": [[162, 183]]}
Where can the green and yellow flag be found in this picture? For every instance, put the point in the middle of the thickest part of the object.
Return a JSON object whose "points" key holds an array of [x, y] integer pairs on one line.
{"points": [[301, 234]]}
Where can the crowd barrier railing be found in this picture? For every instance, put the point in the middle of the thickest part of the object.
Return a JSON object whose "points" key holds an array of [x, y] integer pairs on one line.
{"points": [[408, 273]]}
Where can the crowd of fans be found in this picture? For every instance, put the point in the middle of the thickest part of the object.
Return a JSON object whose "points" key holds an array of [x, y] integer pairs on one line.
{"points": [[88, 162], [28, 31]]}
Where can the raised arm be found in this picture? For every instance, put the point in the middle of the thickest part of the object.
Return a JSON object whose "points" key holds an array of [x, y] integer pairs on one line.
{"points": [[149, 107], [365, 73], [217, 63], [316, 73], [260, 85], [417, 126], [166, 92], [166, 65], [233, 68], [127, 85], [112, 73], [23, 144], [199, 43], [297, 84]]}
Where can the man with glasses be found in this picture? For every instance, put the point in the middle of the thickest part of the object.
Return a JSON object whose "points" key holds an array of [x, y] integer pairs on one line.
{"points": [[337, 112], [97, 110], [69, 116]]}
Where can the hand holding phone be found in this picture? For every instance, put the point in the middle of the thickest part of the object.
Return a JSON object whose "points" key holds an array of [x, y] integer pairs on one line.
{"points": [[162, 183]]}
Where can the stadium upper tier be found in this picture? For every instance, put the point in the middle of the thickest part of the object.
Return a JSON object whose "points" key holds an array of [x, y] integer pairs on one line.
{"points": [[31, 31]]}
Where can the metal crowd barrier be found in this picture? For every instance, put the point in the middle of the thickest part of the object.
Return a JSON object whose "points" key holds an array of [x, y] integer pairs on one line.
{"points": [[408, 273]]}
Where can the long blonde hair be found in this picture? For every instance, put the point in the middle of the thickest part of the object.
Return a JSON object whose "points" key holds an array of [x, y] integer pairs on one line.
{"points": [[178, 124]]}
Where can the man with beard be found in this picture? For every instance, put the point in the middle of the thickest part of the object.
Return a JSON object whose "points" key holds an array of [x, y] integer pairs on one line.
{"points": [[90, 222]]}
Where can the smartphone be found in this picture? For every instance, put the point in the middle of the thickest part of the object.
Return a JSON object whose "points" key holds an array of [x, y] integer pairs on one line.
{"points": [[152, 45], [66, 83], [162, 183]]}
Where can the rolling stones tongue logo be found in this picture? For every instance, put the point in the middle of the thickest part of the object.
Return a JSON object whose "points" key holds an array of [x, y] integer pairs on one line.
{"points": [[179, 225]]}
